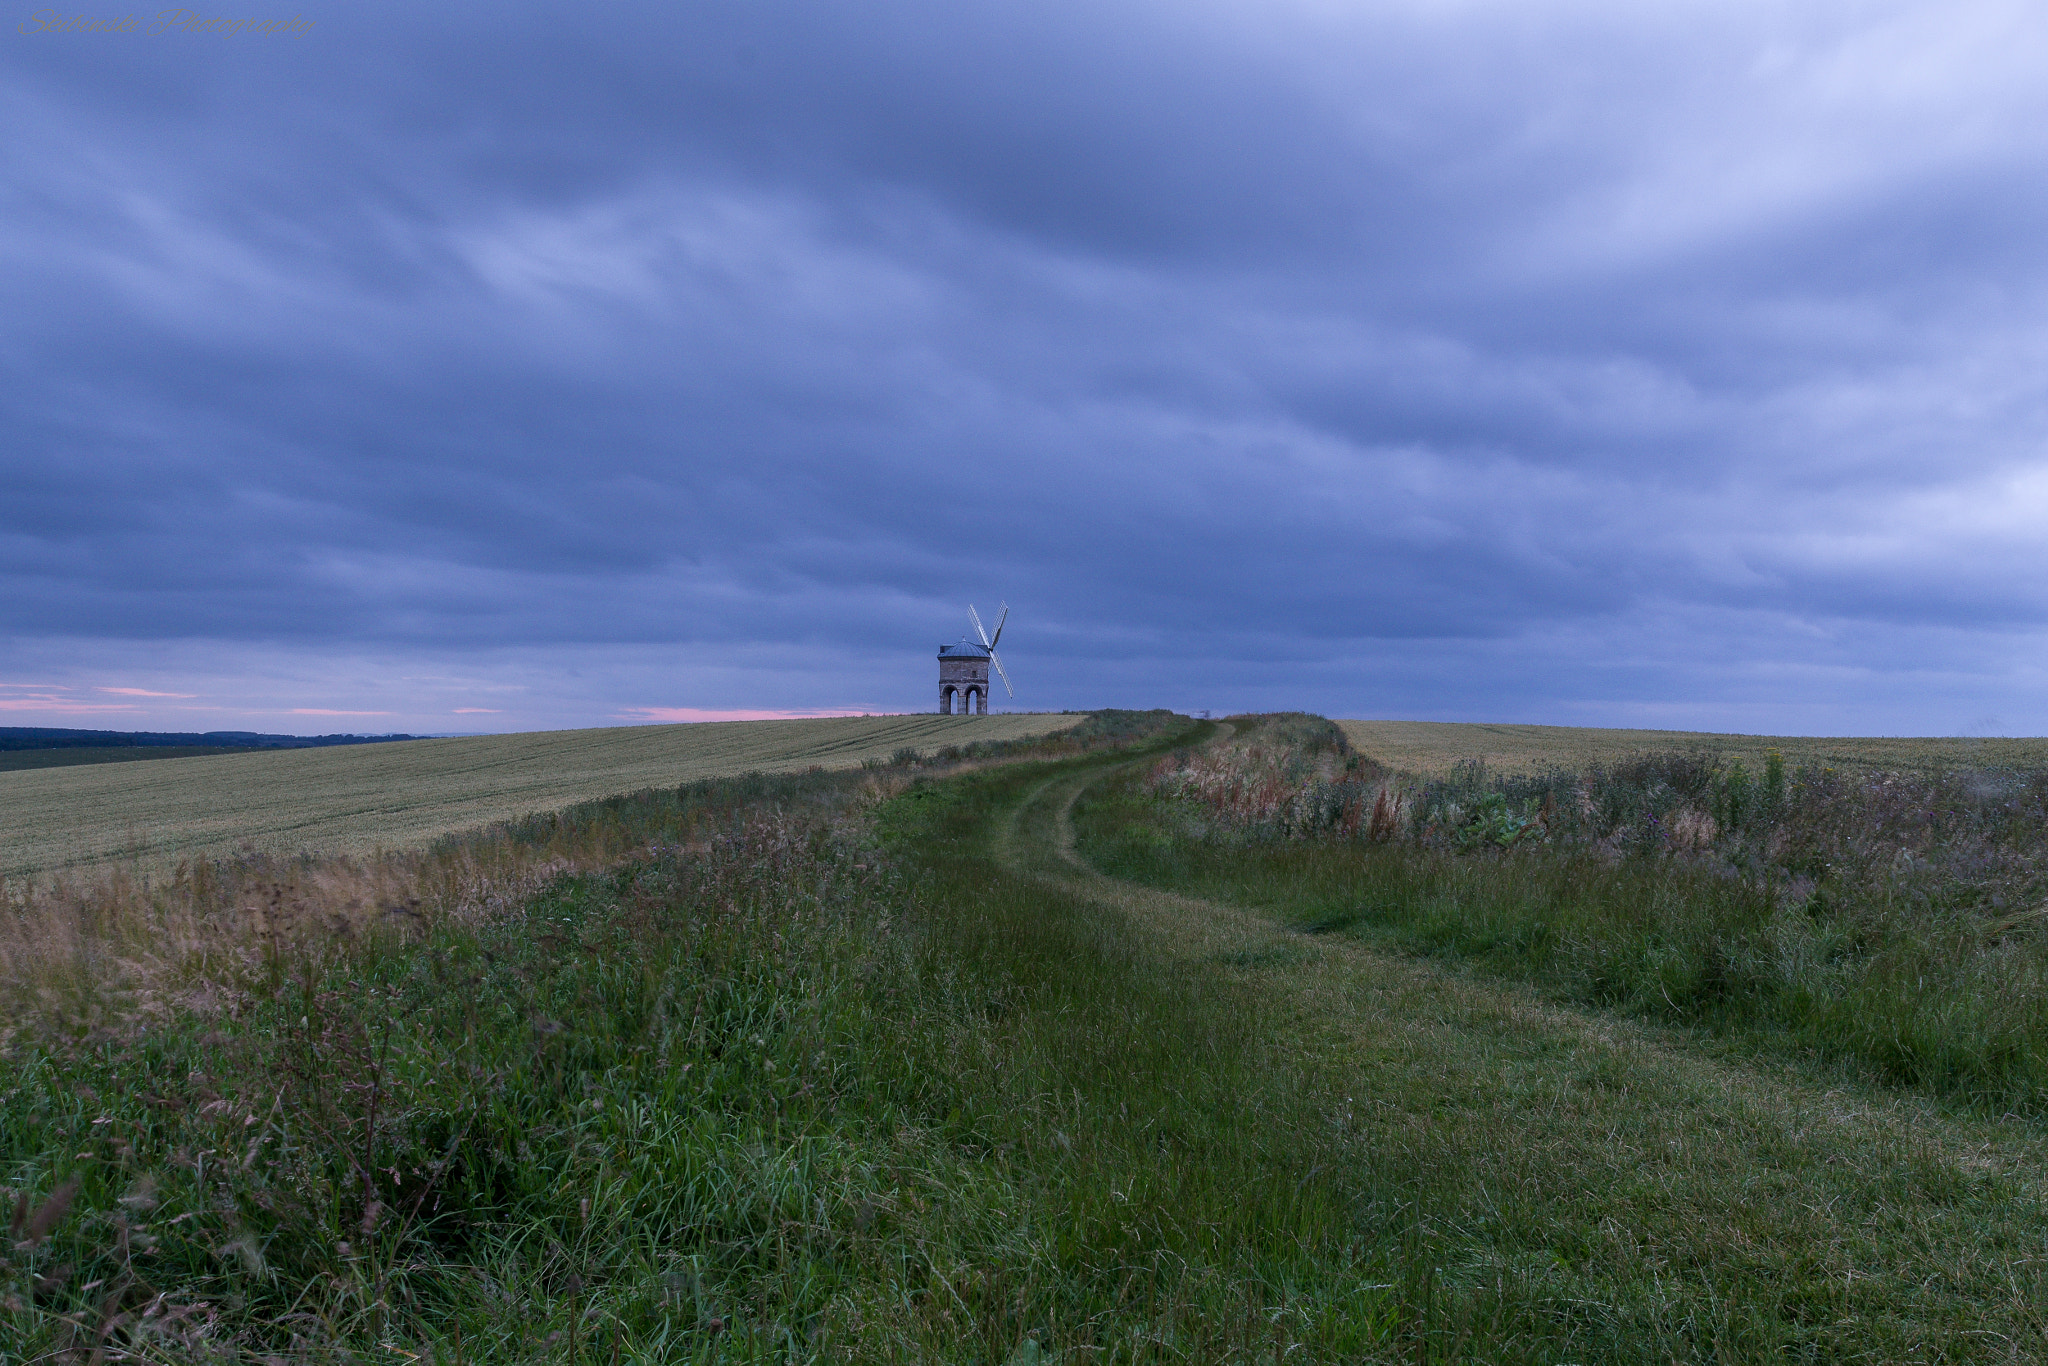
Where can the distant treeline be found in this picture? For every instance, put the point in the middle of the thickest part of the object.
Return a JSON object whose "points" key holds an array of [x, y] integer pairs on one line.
{"points": [[40, 737]]}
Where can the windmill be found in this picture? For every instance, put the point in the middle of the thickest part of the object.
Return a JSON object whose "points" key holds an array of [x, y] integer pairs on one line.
{"points": [[989, 642], [963, 668]]}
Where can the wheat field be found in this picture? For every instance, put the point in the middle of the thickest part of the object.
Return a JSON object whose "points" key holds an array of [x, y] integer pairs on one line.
{"points": [[1432, 747], [358, 798]]}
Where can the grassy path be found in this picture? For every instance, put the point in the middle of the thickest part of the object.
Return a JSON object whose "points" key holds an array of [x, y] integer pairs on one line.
{"points": [[1581, 1187]]}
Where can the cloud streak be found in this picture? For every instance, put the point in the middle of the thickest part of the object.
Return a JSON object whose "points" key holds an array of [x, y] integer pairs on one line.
{"points": [[56, 704]]}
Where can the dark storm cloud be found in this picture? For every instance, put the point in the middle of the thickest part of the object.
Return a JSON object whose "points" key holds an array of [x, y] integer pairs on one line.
{"points": [[1230, 337]]}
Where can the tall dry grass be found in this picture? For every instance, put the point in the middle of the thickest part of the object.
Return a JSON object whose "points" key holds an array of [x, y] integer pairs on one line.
{"points": [[1285, 775], [113, 952]]}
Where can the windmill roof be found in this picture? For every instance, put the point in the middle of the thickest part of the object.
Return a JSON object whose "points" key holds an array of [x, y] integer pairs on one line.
{"points": [[963, 647]]}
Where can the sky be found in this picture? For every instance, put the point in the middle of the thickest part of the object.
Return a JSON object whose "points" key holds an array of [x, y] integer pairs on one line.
{"points": [[458, 367]]}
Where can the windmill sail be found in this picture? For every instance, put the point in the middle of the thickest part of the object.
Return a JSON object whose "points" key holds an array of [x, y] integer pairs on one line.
{"points": [[988, 642]]}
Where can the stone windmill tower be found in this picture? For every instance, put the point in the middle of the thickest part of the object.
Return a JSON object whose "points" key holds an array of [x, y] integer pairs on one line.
{"points": [[963, 668]]}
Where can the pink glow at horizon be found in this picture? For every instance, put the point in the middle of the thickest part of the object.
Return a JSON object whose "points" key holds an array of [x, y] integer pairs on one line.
{"points": [[66, 706], [691, 714]]}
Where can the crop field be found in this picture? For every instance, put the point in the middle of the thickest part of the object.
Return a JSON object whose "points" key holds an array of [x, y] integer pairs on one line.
{"points": [[359, 798], [1433, 747]]}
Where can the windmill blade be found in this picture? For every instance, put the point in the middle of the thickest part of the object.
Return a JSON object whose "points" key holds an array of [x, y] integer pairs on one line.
{"points": [[997, 660], [997, 638], [986, 644]]}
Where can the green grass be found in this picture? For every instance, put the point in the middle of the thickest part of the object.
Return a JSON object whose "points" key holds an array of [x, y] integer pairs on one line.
{"points": [[903, 1082], [1195, 1203], [805, 1095], [1592, 1187], [1916, 996]]}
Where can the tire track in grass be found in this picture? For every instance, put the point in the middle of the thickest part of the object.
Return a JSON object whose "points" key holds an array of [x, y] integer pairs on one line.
{"points": [[1611, 1186]]}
